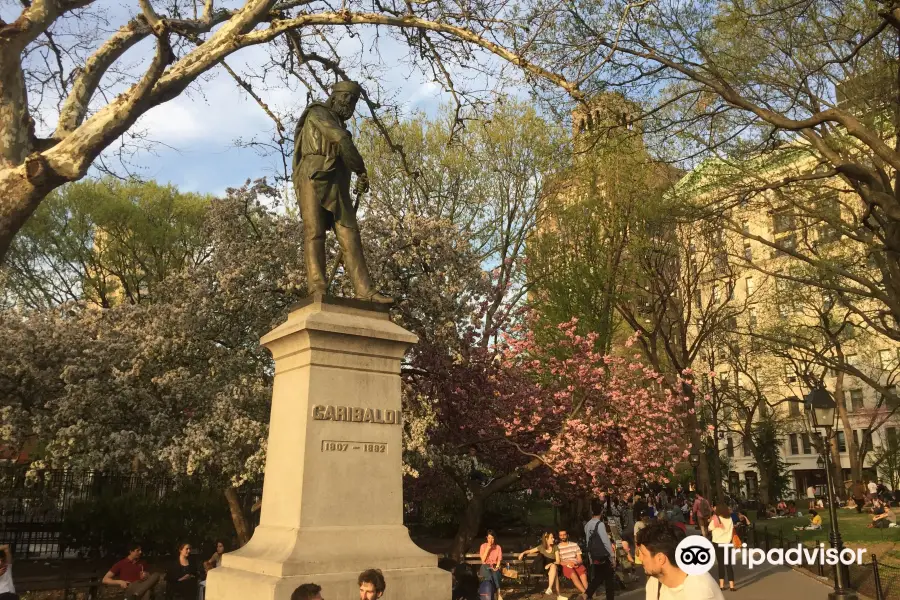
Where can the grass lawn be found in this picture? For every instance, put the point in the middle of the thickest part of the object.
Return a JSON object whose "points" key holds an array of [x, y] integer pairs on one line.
{"points": [[883, 542]]}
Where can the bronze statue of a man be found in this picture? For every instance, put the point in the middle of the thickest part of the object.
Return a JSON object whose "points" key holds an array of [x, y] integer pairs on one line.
{"points": [[324, 158]]}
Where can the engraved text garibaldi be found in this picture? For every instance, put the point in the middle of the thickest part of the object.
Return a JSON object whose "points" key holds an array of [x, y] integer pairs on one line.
{"points": [[324, 158]]}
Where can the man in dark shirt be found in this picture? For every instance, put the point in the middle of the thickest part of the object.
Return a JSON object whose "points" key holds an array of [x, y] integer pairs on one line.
{"points": [[131, 575]]}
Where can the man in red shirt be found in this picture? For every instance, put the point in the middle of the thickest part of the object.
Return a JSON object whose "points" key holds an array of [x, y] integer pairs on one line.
{"points": [[131, 575]]}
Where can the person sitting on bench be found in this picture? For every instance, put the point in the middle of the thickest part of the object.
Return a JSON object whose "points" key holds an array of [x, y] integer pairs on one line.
{"points": [[549, 560], [131, 575]]}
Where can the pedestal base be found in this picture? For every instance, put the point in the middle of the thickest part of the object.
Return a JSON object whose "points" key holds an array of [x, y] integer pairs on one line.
{"points": [[426, 583], [332, 503]]}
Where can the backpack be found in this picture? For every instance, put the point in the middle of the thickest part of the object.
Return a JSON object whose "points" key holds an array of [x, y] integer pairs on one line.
{"points": [[596, 547], [486, 590], [705, 509]]}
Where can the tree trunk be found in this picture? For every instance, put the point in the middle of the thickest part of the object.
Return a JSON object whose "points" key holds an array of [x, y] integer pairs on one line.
{"points": [[469, 523], [241, 526], [703, 483], [717, 464], [764, 486], [837, 473], [470, 519], [852, 445], [22, 188]]}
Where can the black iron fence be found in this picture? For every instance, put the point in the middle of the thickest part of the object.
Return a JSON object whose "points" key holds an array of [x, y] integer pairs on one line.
{"points": [[872, 578], [59, 513]]}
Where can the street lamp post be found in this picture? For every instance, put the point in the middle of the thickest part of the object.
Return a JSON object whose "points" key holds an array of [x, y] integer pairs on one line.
{"points": [[820, 411], [694, 457]]}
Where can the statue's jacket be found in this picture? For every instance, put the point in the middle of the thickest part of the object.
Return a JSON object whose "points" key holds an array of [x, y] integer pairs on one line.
{"points": [[324, 158]]}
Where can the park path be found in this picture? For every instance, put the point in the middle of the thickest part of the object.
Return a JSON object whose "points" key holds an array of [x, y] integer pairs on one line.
{"points": [[762, 583]]}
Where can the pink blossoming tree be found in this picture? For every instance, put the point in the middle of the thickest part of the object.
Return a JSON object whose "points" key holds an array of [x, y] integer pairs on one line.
{"points": [[563, 417]]}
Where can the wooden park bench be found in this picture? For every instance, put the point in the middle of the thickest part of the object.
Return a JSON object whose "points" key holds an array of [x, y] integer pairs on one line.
{"points": [[525, 570], [74, 587], [79, 586]]}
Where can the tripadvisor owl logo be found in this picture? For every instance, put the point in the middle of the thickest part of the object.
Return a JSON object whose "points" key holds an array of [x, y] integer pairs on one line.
{"points": [[695, 555]]}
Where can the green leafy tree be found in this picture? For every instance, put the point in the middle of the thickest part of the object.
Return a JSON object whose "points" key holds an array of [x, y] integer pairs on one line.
{"points": [[887, 461], [767, 459], [105, 241]]}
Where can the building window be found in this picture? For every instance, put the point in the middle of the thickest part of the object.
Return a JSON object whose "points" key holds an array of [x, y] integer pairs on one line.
{"points": [[720, 261], [745, 226], [716, 297], [783, 297], [842, 441], [784, 310], [856, 400], [724, 379], [745, 446], [748, 251], [789, 375], [729, 448], [793, 408], [892, 437], [795, 449], [865, 443], [888, 359], [750, 288], [807, 447], [891, 390], [782, 221], [863, 439]]}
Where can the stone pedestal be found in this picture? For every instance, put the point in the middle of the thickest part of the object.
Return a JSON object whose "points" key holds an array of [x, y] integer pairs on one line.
{"points": [[332, 501]]}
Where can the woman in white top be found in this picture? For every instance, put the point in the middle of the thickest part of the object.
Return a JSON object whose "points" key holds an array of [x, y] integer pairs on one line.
{"points": [[722, 528]]}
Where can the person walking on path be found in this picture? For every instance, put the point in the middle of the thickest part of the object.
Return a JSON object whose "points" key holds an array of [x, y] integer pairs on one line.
{"points": [[627, 520], [722, 529], [657, 544], [603, 558], [702, 511], [811, 496]]}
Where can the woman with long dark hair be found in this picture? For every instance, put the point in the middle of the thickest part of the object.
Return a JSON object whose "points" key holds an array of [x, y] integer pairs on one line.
{"points": [[722, 529], [548, 558], [181, 577]]}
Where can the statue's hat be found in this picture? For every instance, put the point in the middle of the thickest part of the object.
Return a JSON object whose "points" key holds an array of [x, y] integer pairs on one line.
{"points": [[347, 86]]}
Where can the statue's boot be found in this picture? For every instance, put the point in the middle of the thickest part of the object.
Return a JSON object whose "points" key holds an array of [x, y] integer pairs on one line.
{"points": [[355, 265], [314, 248]]}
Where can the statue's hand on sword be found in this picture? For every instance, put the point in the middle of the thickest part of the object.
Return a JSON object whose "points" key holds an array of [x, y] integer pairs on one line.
{"points": [[362, 184]]}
